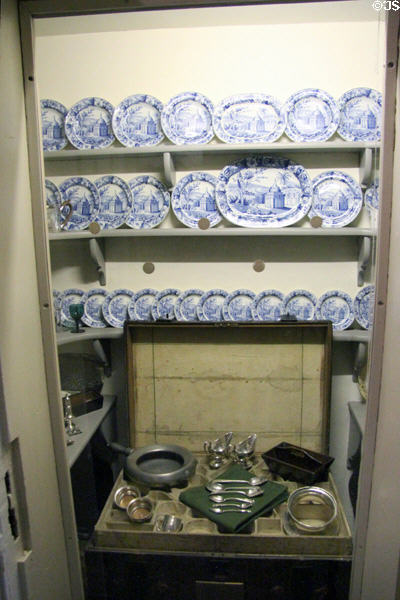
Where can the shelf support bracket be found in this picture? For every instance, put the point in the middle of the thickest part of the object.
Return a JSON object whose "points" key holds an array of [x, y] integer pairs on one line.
{"points": [[169, 169], [366, 167], [97, 255], [364, 258], [360, 359], [103, 354]]}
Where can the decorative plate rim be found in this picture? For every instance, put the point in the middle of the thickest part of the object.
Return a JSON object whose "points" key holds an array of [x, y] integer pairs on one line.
{"points": [[182, 296], [150, 180], [58, 106], [132, 304], [115, 180], [109, 317], [343, 129], [70, 118], [86, 318], [231, 296], [125, 104], [48, 183], [300, 292], [161, 294], [351, 214], [293, 133], [65, 320], [175, 199], [260, 296], [367, 289], [84, 182], [341, 325], [169, 107], [205, 296]]}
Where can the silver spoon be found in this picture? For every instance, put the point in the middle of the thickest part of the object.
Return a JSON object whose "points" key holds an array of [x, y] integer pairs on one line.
{"points": [[252, 481], [236, 504], [218, 498], [213, 486], [219, 509]]}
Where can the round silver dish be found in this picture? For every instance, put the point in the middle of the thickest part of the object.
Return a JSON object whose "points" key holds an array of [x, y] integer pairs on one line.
{"points": [[124, 495], [312, 509], [140, 510]]}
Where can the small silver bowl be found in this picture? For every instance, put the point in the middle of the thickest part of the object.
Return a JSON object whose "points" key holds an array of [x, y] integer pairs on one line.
{"points": [[124, 495], [140, 510], [312, 509]]}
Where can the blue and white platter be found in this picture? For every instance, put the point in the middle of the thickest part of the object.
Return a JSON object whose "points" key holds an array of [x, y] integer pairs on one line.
{"points": [[136, 121], [193, 198], [115, 201], [264, 191], [187, 119], [360, 115], [209, 307], [84, 199], [53, 130], [139, 308], [115, 307], [300, 304], [371, 196], [53, 194], [364, 306], [164, 303], [65, 298], [88, 124], [150, 202], [267, 306], [93, 302], [335, 306], [237, 305], [337, 198], [312, 115], [249, 118], [185, 307]]}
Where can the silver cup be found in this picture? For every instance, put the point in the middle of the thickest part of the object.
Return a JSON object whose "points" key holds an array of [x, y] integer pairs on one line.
{"points": [[168, 523]]}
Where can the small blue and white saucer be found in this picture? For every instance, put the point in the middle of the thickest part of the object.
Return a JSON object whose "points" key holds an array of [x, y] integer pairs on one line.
{"points": [[136, 121], [187, 119], [115, 201], [115, 307], [371, 195], [209, 307], [53, 194], [193, 198], [67, 297], [150, 202], [186, 305], [267, 306], [364, 306], [93, 302], [360, 115], [88, 124], [300, 304], [337, 198], [139, 308], [312, 115], [53, 131], [164, 303], [83, 196], [237, 305], [335, 306]]}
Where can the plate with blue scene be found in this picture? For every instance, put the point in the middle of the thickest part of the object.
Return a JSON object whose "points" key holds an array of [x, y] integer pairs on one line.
{"points": [[300, 304], [187, 119], [264, 191], [65, 299], [88, 124], [312, 115], [93, 312], [136, 121], [364, 306], [83, 196], [150, 202], [193, 198], [164, 303], [237, 305], [360, 115], [335, 306], [209, 307], [267, 306], [115, 201], [115, 307], [53, 194], [249, 118], [53, 120], [139, 308], [371, 195], [337, 198], [186, 305]]}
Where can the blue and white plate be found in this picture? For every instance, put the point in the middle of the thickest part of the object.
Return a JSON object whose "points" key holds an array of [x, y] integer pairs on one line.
{"points": [[115, 201], [247, 118], [193, 198], [335, 306], [267, 306], [360, 115], [136, 121], [84, 199], [364, 306], [237, 306], [312, 115], [53, 132], [53, 194], [337, 199], [300, 304], [88, 124], [371, 196], [139, 308], [67, 297], [150, 202], [187, 119], [164, 303], [93, 312], [210, 305], [186, 305], [115, 307], [264, 191]]}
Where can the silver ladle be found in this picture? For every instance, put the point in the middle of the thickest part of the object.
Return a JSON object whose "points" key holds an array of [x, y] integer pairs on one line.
{"points": [[215, 487], [219, 498], [252, 481], [219, 509], [235, 504]]}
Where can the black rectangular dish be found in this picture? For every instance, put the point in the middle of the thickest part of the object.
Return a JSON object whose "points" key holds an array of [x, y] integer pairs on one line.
{"points": [[296, 463]]}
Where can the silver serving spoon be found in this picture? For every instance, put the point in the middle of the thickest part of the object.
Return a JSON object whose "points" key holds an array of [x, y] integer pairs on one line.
{"points": [[252, 481], [219, 509], [219, 498], [213, 486], [235, 504]]}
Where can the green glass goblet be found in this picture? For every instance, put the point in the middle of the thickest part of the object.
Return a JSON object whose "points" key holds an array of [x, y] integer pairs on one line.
{"points": [[76, 312]]}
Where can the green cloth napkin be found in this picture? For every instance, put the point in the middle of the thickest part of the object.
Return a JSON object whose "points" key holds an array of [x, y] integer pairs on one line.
{"points": [[198, 499]]}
